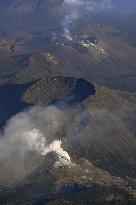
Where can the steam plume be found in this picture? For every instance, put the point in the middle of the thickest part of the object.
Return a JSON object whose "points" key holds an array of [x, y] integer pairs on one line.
{"points": [[75, 9], [34, 130]]}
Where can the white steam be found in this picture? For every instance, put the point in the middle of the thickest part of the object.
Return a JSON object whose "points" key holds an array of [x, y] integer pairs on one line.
{"points": [[36, 141], [75, 9], [34, 130]]}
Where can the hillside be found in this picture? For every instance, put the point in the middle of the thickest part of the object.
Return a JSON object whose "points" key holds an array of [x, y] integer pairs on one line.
{"points": [[29, 59], [67, 102], [100, 138]]}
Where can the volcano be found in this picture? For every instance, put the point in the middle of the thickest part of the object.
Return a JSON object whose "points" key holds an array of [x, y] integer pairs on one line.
{"points": [[67, 102]]}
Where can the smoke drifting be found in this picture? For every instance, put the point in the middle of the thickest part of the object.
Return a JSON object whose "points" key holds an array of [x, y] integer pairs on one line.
{"points": [[94, 133], [75, 9], [34, 130]]}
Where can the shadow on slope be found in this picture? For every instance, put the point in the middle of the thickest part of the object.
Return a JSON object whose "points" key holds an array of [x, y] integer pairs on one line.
{"points": [[82, 90], [10, 101], [11, 96]]}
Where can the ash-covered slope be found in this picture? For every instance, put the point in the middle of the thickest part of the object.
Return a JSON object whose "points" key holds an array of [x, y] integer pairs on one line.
{"points": [[81, 183]]}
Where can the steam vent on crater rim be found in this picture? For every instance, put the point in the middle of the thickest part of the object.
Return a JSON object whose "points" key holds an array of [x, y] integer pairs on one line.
{"points": [[67, 102]]}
